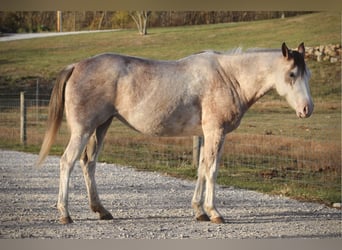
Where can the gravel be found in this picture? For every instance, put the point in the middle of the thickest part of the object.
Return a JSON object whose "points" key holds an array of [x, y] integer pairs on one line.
{"points": [[145, 205]]}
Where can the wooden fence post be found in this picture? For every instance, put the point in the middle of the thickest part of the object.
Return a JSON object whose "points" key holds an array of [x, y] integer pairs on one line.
{"points": [[196, 149], [59, 21], [22, 119]]}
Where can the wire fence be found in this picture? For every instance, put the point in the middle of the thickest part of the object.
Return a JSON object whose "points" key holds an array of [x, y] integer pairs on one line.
{"points": [[268, 148]]}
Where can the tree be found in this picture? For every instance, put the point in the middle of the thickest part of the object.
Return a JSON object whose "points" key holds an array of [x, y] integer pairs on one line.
{"points": [[121, 19], [140, 18]]}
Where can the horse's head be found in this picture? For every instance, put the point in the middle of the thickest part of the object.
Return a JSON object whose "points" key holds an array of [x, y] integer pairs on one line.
{"points": [[293, 82]]}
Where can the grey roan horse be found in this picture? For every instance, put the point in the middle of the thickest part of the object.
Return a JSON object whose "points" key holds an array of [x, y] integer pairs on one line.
{"points": [[203, 94]]}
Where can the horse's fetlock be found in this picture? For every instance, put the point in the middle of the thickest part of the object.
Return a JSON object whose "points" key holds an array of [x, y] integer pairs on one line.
{"points": [[195, 204], [208, 209]]}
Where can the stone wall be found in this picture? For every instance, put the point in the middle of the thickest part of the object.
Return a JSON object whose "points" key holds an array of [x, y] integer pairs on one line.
{"points": [[331, 53]]}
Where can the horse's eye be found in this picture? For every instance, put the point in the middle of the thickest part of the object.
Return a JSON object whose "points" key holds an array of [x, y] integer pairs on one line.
{"points": [[292, 75]]}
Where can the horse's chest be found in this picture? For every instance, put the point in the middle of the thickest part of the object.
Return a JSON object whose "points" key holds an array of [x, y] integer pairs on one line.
{"points": [[233, 122]]}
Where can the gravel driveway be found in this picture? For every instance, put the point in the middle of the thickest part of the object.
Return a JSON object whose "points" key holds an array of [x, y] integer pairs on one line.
{"points": [[145, 205]]}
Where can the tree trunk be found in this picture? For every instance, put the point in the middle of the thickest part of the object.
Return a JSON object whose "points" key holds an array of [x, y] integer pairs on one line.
{"points": [[101, 20], [140, 18]]}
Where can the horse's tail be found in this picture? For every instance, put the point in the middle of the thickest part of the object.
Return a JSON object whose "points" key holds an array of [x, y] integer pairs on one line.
{"points": [[55, 115]]}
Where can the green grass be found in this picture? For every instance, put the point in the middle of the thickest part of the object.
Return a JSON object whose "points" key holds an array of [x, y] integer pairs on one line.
{"points": [[272, 151], [44, 57]]}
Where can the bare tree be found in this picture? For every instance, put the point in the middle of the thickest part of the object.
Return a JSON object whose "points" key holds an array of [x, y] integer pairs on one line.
{"points": [[121, 19], [140, 18]]}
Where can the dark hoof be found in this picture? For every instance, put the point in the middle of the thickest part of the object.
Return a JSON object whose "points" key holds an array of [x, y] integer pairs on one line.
{"points": [[217, 220], [203, 217], [106, 216], [66, 220]]}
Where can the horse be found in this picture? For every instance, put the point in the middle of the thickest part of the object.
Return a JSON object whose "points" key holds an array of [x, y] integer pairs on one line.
{"points": [[204, 94]]}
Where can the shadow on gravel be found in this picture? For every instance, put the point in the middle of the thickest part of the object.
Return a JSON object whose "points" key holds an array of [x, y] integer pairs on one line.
{"points": [[298, 216], [309, 236]]}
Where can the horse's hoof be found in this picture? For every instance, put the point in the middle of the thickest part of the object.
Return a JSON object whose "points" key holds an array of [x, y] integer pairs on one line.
{"points": [[217, 220], [66, 220], [203, 217], [106, 216]]}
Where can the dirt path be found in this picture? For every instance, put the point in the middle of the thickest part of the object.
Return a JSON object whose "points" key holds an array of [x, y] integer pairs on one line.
{"points": [[145, 206]]}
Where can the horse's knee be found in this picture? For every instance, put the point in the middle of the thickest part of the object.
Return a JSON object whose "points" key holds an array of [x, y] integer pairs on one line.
{"points": [[89, 167]]}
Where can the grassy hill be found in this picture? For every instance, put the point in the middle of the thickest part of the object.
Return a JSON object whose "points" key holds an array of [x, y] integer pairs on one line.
{"points": [[44, 57]]}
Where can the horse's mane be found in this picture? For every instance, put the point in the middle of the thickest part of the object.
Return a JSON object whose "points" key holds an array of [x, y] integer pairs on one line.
{"points": [[261, 50], [239, 50]]}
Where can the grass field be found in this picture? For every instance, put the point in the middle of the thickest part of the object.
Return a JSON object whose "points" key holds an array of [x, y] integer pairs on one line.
{"points": [[272, 151], [46, 56]]}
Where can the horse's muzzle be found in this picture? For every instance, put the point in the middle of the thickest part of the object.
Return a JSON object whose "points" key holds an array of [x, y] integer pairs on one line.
{"points": [[306, 111]]}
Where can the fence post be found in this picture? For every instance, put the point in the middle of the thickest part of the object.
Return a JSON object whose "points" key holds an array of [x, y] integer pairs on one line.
{"points": [[37, 101], [59, 21], [196, 149], [22, 118]]}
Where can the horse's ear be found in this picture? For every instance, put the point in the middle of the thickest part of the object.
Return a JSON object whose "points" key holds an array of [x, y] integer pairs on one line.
{"points": [[301, 49], [285, 50]]}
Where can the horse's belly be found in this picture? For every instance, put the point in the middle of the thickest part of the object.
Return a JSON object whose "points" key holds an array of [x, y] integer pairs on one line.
{"points": [[154, 125], [184, 127]]}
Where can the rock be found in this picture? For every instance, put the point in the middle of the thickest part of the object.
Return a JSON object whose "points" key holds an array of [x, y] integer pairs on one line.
{"points": [[333, 60], [326, 58], [318, 53], [330, 52], [336, 205], [309, 50]]}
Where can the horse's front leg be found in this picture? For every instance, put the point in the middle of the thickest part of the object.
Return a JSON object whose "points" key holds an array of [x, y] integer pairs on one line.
{"points": [[197, 199], [209, 202], [212, 155], [207, 174]]}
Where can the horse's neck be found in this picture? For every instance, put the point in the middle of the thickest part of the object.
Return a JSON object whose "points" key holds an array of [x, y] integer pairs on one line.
{"points": [[253, 72]]}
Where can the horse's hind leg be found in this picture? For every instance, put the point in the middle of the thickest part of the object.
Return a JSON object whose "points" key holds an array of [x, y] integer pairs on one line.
{"points": [[67, 162], [88, 164]]}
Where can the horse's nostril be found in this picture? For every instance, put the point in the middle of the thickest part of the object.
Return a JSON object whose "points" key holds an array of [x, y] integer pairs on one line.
{"points": [[304, 112]]}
